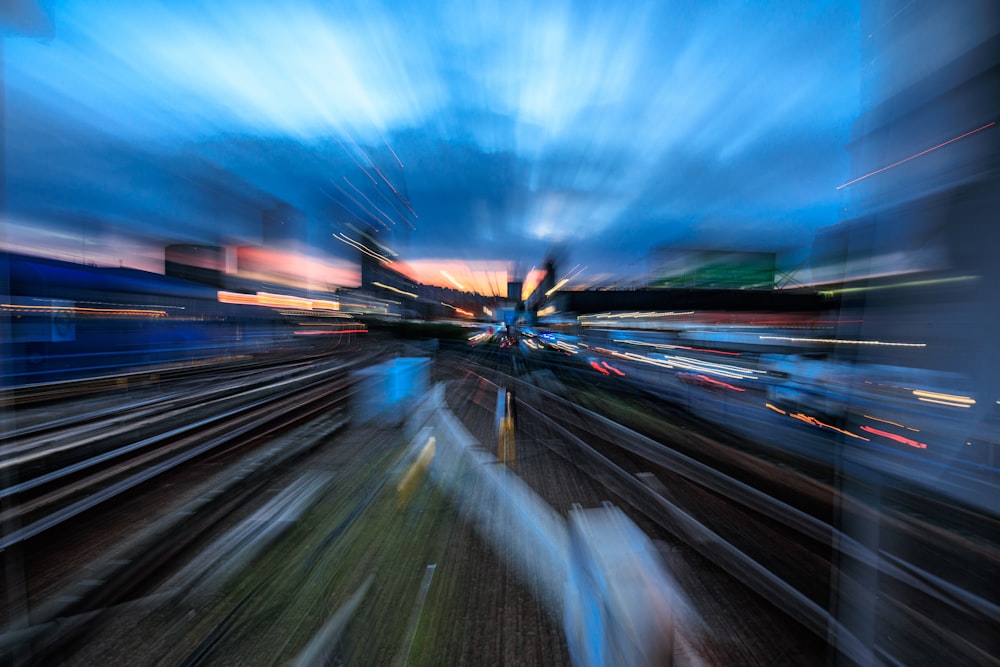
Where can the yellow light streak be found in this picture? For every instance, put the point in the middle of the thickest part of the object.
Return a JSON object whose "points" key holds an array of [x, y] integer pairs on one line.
{"points": [[840, 341], [886, 421], [82, 310], [393, 289], [943, 397], [557, 286], [909, 283], [954, 405]]}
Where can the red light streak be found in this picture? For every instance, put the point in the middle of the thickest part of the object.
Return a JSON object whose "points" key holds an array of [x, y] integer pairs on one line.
{"points": [[706, 380], [612, 369], [327, 332], [893, 436], [706, 349], [722, 384], [915, 156], [596, 366]]}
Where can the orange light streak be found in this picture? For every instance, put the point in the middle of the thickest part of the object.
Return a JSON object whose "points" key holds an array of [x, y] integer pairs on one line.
{"points": [[816, 422], [81, 310]]}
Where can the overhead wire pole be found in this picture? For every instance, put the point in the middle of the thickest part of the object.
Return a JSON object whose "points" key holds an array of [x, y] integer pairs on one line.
{"points": [[785, 279]]}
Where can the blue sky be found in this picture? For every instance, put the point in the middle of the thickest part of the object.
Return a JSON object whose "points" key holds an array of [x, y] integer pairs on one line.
{"points": [[507, 128]]}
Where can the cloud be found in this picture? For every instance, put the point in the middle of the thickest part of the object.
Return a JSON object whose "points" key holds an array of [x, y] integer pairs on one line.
{"points": [[468, 130]]}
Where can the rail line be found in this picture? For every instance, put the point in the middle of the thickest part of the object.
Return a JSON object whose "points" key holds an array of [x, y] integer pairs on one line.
{"points": [[788, 556], [59, 481]]}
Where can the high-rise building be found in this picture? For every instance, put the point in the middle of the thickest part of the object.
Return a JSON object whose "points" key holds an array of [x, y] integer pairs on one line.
{"points": [[514, 289], [201, 263]]}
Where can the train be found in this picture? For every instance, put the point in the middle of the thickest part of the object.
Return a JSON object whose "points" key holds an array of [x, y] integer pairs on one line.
{"points": [[62, 320]]}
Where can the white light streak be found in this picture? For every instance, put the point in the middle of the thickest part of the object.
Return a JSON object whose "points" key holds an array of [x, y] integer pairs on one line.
{"points": [[453, 281], [362, 247]]}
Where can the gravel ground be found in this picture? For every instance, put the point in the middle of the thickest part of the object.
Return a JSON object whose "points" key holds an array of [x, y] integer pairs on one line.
{"points": [[266, 609]]}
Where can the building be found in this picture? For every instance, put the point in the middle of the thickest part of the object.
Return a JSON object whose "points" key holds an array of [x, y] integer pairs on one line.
{"points": [[711, 269], [918, 273]]}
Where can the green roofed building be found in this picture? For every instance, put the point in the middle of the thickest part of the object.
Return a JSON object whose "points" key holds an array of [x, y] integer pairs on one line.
{"points": [[711, 269]]}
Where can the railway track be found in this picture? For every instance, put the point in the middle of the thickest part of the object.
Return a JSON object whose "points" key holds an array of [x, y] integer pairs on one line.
{"points": [[760, 600], [791, 557], [60, 473], [65, 483], [565, 471], [122, 559]]}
